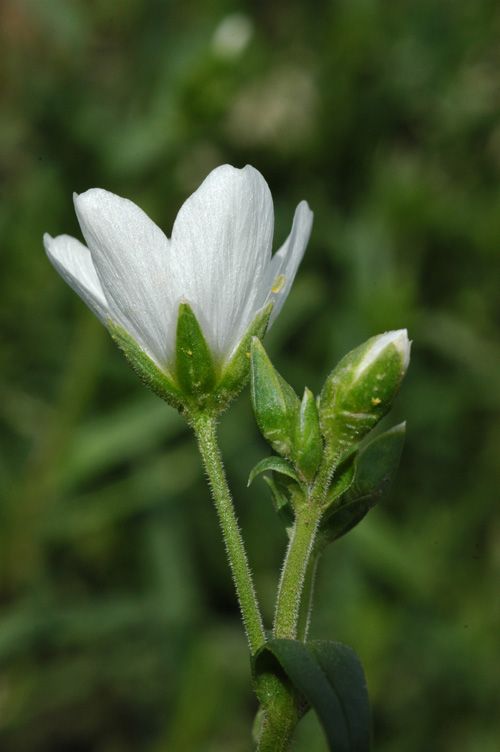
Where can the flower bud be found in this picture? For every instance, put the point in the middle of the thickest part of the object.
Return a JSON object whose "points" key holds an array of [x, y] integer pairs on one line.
{"points": [[361, 389], [274, 401], [308, 445]]}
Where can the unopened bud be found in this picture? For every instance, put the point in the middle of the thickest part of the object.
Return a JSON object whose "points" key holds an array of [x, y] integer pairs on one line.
{"points": [[361, 389]]}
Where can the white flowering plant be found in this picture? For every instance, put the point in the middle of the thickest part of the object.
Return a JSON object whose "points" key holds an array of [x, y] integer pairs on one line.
{"points": [[189, 313]]}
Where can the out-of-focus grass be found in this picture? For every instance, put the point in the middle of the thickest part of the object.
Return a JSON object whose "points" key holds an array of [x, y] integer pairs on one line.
{"points": [[118, 626]]}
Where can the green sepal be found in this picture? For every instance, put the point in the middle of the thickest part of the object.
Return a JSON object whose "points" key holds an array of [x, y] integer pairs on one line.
{"points": [[276, 464], [307, 444], [237, 371], [274, 401], [194, 364], [375, 466], [151, 375], [351, 405]]}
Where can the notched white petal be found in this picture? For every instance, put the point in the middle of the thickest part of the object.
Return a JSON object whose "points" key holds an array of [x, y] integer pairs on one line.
{"points": [[73, 261], [221, 248]]}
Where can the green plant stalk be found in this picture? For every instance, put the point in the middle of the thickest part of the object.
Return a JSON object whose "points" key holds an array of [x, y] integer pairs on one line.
{"points": [[205, 428], [293, 605], [293, 575], [299, 569], [281, 716], [306, 604]]}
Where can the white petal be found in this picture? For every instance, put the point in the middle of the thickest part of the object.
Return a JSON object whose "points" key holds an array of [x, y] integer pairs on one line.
{"points": [[73, 261], [398, 338], [130, 255], [221, 247], [285, 262]]}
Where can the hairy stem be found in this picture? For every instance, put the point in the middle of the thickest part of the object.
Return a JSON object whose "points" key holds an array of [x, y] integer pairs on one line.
{"points": [[291, 618], [306, 604], [293, 575], [280, 718], [205, 426]]}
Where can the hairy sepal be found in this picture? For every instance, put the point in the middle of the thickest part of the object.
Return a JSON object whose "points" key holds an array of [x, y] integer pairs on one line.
{"points": [[159, 381]]}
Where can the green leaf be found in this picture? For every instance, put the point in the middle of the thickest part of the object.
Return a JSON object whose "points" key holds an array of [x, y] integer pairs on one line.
{"points": [[277, 464], [377, 463], [195, 368], [330, 678], [374, 468], [342, 478], [343, 519], [159, 381], [307, 444], [274, 401], [281, 500], [283, 484]]}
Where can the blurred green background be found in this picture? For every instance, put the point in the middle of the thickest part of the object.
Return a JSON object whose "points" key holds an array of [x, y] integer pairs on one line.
{"points": [[118, 624]]}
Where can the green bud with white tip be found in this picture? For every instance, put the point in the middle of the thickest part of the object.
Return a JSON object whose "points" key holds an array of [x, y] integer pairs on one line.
{"points": [[361, 389], [308, 444], [274, 402]]}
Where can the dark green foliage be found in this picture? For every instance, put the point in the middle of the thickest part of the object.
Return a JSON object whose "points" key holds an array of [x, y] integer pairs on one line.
{"points": [[330, 679], [363, 482], [117, 610]]}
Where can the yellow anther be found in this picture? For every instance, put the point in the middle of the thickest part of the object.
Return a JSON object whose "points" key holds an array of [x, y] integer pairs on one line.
{"points": [[278, 283], [376, 400]]}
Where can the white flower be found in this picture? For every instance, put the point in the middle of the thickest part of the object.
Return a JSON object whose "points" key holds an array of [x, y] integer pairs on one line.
{"points": [[218, 260]]}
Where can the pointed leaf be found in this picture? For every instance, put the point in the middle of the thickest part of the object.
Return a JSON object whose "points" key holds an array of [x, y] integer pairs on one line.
{"points": [[281, 501], [377, 463], [343, 518], [374, 467], [329, 676], [278, 464], [342, 479]]}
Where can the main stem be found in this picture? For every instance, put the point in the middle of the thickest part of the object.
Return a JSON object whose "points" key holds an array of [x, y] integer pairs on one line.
{"points": [[205, 428]]}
